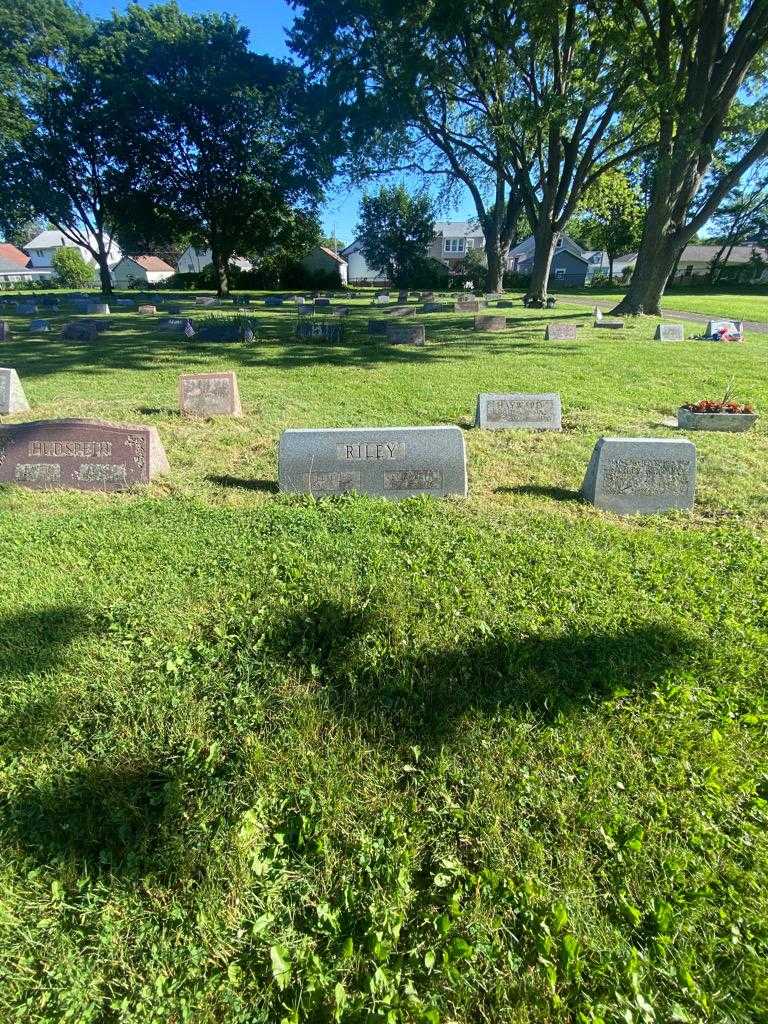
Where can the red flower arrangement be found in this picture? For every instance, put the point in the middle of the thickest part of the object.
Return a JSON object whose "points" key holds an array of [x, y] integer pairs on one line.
{"points": [[707, 405]]}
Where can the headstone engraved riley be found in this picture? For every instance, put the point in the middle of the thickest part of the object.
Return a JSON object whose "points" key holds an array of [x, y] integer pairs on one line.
{"points": [[209, 394], [390, 462], [85, 455], [12, 397], [669, 332], [629, 475], [519, 411], [560, 332]]}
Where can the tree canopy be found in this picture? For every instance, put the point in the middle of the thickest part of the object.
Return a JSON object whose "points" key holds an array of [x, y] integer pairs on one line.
{"points": [[395, 230]]}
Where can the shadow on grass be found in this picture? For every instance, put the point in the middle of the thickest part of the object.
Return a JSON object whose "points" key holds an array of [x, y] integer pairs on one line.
{"points": [[107, 817], [244, 483], [541, 491], [34, 641], [401, 693]]}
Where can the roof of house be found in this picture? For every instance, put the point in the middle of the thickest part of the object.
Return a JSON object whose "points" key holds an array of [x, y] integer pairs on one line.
{"points": [[457, 228], [48, 240], [332, 254], [527, 248], [151, 263], [10, 254], [706, 253]]}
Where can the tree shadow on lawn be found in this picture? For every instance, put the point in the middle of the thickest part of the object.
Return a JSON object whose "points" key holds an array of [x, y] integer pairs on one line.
{"points": [[422, 695], [35, 641], [244, 483]]}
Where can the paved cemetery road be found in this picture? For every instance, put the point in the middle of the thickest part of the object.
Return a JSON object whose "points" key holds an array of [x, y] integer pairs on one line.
{"points": [[694, 318]]}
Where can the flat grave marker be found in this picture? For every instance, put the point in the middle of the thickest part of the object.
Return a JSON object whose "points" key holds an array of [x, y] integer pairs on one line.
{"points": [[389, 462], [324, 330], [629, 475], [487, 324], [518, 410], [209, 394], [12, 397], [86, 455], [147, 310], [437, 307], [560, 332], [406, 334], [610, 325]]}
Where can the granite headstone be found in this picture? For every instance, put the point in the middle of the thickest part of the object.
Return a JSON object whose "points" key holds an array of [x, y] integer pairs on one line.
{"points": [[628, 475], [390, 462], [209, 394], [12, 397], [669, 332], [40, 325], [560, 332], [406, 334], [519, 411], [490, 323]]}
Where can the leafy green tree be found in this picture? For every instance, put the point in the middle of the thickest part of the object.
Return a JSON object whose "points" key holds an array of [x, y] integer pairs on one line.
{"points": [[226, 141], [520, 103], [742, 218], [71, 268], [698, 64], [395, 230], [611, 216]]}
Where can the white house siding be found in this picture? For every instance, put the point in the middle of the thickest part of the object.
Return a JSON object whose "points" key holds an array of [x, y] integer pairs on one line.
{"points": [[125, 273], [42, 248]]}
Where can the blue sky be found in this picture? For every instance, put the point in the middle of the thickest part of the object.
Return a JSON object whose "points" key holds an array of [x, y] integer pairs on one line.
{"points": [[267, 21]]}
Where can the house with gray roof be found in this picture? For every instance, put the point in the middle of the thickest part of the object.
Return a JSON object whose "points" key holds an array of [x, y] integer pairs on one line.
{"points": [[571, 265]]}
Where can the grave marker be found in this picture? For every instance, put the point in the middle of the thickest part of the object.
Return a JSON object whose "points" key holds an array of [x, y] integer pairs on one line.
{"points": [[322, 302], [390, 462], [205, 300], [5, 330], [378, 327], [669, 332], [406, 334], [519, 411], [468, 306], [326, 330], [209, 394], [437, 307], [490, 323], [147, 310], [611, 325], [560, 332], [87, 455], [12, 397], [40, 325], [398, 311], [629, 475], [97, 308]]}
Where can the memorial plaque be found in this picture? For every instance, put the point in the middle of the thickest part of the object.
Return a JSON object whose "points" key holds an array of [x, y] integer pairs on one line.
{"points": [[86, 455], [323, 330], [560, 332], [628, 475], [209, 394], [468, 306], [406, 334], [485, 324], [519, 411], [389, 462], [12, 397], [147, 310]]}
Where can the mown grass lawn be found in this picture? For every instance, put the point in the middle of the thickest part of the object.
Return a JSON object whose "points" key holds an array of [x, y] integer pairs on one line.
{"points": [[749, 304], [266, 758]]}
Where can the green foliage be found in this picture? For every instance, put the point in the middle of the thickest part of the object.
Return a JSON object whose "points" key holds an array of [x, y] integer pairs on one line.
{"points": [[267, 758], [71, 268], [612, 216], [395, 230]]}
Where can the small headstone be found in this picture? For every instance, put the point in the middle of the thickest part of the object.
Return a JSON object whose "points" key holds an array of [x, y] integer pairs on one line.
{"points": [[85, 330], [87, 455], [406, 334], [147, 310], [611, 325], [519, 411], [209, 394], [378, 327], [5, 330], [273, 300], [389, 462], [305, 309], [560, 332], [97, 308], [205, 300], [669, 332], [381, 299], [437, 307], [725, 330], [39, 325], [490, 323], [399, 311], [322, 302], [468, 306], [12, 397], [325, 330], [629, 475]]}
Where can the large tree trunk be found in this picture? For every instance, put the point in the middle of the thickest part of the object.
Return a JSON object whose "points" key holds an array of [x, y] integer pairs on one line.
{"points": [[220, 269], [610, 270], [545, 239], [656, 259], [496, 257], [105, 277]]}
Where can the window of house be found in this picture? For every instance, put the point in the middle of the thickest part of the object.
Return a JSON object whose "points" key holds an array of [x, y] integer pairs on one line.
{"points": [[454, 245], [560, 274]]}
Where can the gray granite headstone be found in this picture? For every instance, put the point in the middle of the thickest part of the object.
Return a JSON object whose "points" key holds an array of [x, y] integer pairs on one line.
{"points": [[518, 410], [39, 325], [437, 307], [669, 332], [98, 308], [322, 302], [378, 328], [733, 328], [147, 310], [489, 323], [324, 330], [468, 306], [5, 330], [381, 299], [389, 462], [87, 455], [398, 311], [628, 475], [560, 332], [12, 397], [406, 334], [209, 394], [610, 325]]}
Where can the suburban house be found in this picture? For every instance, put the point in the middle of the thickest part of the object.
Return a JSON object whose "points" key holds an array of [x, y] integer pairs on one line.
{"points": [[15, 268], [453, 239], [571, 265], [358, 269], [193, 260], [42, 248], [140, 270], [696, 260], [324, 260]]}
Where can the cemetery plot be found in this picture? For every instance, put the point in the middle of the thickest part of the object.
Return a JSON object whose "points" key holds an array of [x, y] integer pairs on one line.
{"points": [[389, 462], [85, 455], [628, 475]]}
